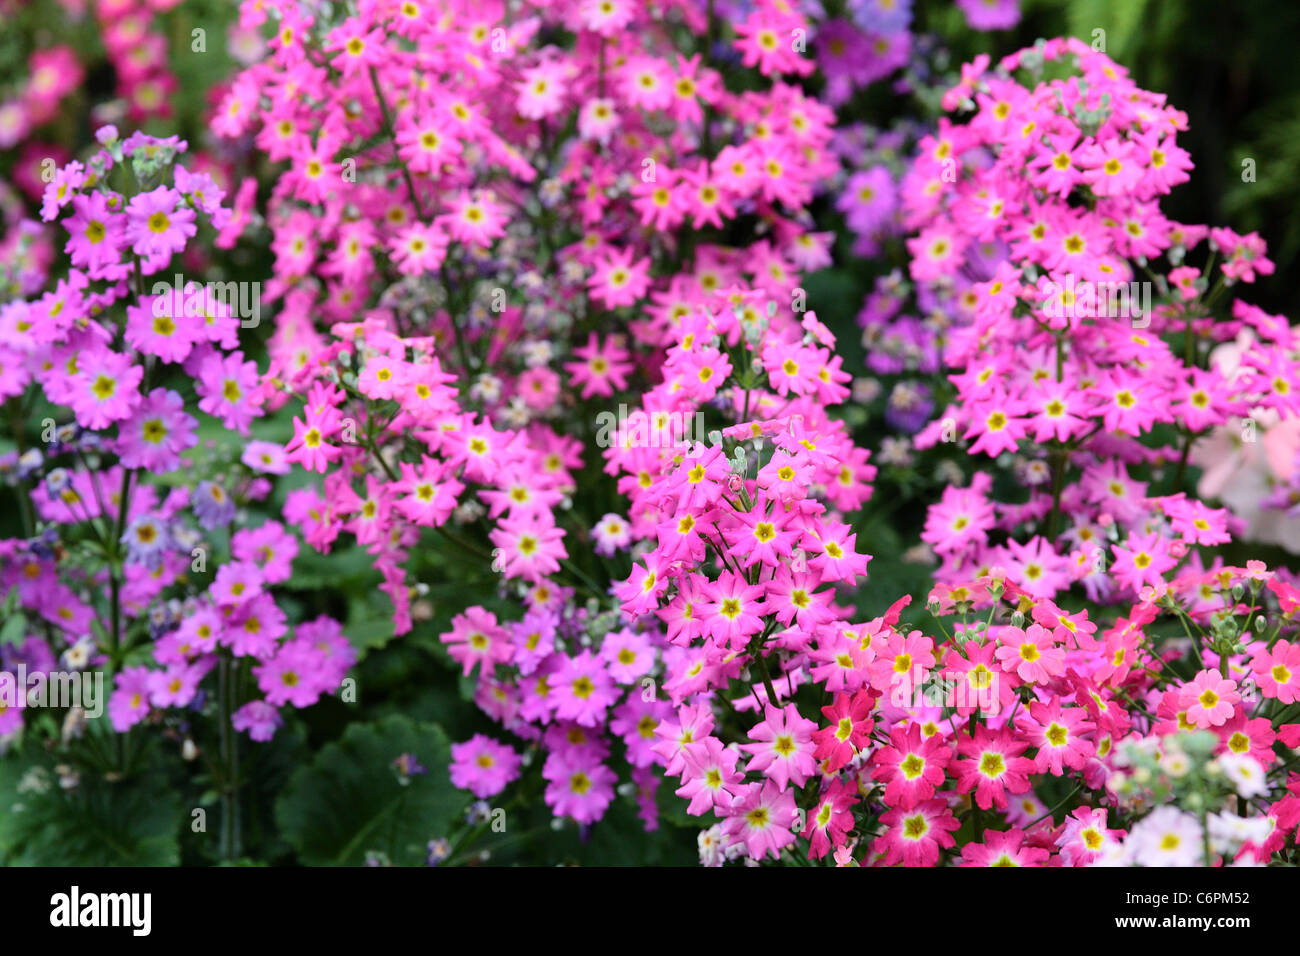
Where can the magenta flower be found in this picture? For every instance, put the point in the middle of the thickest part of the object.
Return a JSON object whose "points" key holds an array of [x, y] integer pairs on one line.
{"points": [[483, 766], [156, 226]]}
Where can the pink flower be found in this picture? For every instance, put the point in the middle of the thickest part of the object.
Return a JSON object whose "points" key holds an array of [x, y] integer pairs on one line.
{"points": [[993, 766], [129, 702], [619, 281], [603, 367], [784, 752], [584, 690], [1003, 848], [709, 776], [848, 732], [762, 819], [912, 767], [156, 226], [580, 786], [483, 766], [1277, 671], [1209, 699], [227, 387], [917, 834], [1032, 654], [156, 433], [105, 389], [476, 638], [1058, 734]]}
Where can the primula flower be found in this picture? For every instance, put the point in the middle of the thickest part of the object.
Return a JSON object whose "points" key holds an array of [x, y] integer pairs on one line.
{"points": [[1166, 837], [911, 767], [784, 752], [129, 702], [848, 732], [1085, 836], [476, 638], [618, 280], [579, 786], [1031, 654], [602, 369], [993, 766], [258, 718], [1277, 671], [733, 610], [1209, 699], [105, 388], [584, 690], [709, 776], [762, 818], [1003, 848], [483, 766], [830, 819], [916, 836], [156, 433], [1059, 735], [531, 547], [156, 225]]}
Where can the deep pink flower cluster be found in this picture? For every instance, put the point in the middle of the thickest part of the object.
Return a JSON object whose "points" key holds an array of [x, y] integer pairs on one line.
{"points": [[643, 142], [924, 734]]}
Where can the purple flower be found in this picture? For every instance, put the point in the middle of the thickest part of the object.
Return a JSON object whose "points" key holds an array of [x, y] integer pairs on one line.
{"points": [[156, 433], [882, 16], [869, 200], [259, 718], [129, 703], [61, 189], [146, 541], [909, 407], [212, 505]]}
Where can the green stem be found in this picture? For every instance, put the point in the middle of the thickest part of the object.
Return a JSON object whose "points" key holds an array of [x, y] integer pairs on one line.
{"points": [[1052, 812]]}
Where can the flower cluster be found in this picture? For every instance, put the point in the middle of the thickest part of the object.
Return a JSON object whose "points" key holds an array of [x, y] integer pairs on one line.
{"points": [[734, 542], [995, 727], [1068, 361], [123, 511], [473, 225], [52, 74]]}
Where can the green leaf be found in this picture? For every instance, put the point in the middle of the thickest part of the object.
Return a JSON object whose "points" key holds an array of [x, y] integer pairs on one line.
{"points": [[97, 823], [13, 629], [370, 624], [348, 800]]}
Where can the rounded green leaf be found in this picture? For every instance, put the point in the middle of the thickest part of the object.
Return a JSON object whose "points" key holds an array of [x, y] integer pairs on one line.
{"points": [[349, 801]]}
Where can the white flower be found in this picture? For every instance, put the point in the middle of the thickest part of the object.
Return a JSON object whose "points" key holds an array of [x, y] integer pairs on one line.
{"points": [[1113, 853], [1166, 837], [1228, 831], [1246, 774], [712, 846], [1175, 764]]}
